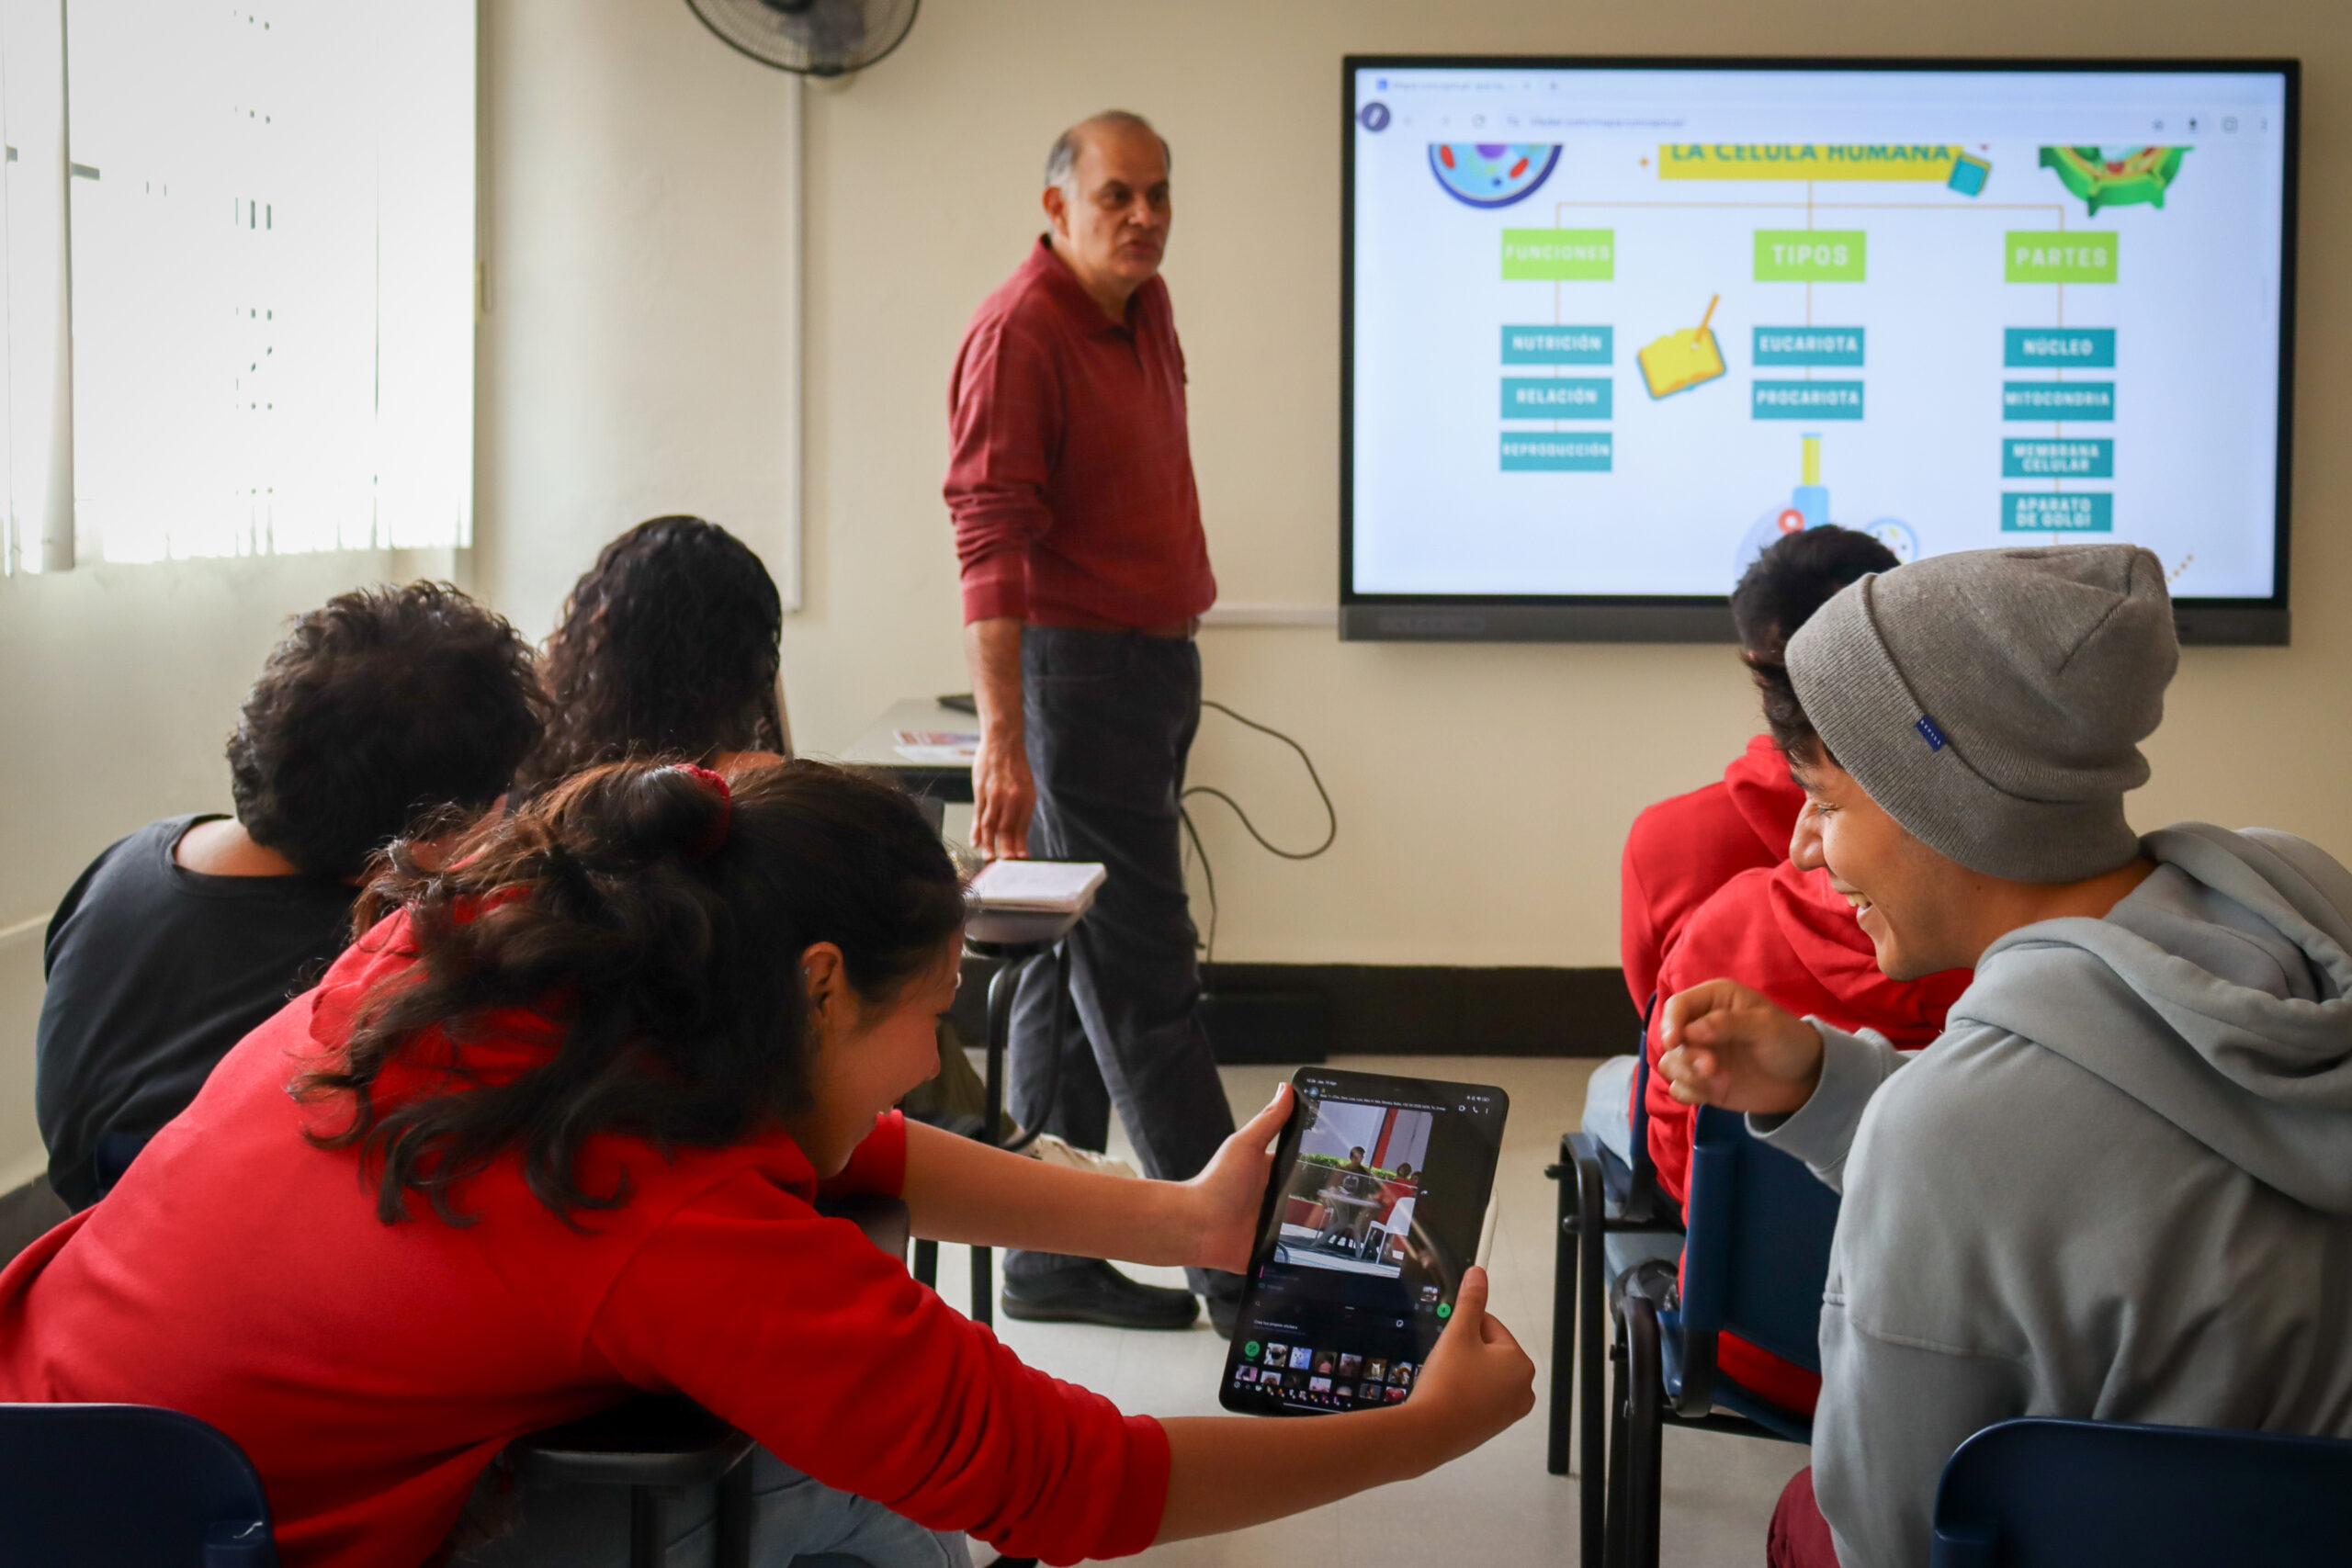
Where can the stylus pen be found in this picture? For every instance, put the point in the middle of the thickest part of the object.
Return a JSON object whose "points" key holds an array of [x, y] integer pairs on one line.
{"points": [[1487, 1232]]}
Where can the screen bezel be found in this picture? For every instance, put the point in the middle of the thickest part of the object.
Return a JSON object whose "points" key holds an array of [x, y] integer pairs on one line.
{"points": [[1546, 617], [1286, 1153]]}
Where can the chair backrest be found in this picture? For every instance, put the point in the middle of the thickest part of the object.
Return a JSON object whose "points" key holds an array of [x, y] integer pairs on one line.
{"points": [[1643, 1199], [1755, 1252], [129, 1486], [2039, 1492]]}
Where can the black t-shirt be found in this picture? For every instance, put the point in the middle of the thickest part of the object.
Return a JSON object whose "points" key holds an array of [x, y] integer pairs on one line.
{"points": [[154, 972]]}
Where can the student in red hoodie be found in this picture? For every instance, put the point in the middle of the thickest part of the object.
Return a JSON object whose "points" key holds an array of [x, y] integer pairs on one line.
{"points": [[1681, 850], [550, 1133]]}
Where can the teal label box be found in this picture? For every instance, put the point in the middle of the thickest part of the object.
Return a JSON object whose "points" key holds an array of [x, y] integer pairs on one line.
{"points": [[1561, 396], [1809, 345], [2057, 400], [2056, 457], [2058, 348], [1807, 400], [1559, 346], [2049, 512], [1557, 451]]}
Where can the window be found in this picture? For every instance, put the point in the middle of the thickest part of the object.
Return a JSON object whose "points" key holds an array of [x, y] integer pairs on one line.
{"points": [[271, 259]]}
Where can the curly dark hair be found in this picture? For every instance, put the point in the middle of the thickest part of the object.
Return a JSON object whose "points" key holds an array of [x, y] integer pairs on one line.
{"points": [[1785, 714], [377, 708], [669, 647], [1797, 575], [682, 1016]]}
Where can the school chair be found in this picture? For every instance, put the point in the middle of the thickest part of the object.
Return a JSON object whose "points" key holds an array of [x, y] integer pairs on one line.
{"points": [[127, 1485], [1594, 1181], [2042, 1493], [1755, 1257]]}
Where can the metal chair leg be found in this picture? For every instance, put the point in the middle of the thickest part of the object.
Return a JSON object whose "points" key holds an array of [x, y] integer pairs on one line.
{"points": [[733, 1521], [1592, 1307], [927, 1263], [1645, 1431], [1001, 986], [1560, 1420], [1613, 1549], [648, 1533]]}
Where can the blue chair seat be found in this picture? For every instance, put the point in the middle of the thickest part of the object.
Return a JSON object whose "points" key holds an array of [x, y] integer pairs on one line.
{"points": [[1722, 1392], [2043, 1493], [129, 1486]]}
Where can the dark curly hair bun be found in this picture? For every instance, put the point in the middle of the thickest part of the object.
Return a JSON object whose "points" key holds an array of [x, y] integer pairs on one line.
{"points": [[624, 818], [378, 707], [669, 648]]}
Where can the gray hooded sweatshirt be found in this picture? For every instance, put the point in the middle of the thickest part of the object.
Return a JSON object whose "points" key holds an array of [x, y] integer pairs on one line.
{"points": [[2118, 1185]]}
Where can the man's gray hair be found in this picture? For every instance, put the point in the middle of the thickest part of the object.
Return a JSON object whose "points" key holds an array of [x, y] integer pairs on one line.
{"points": [[1061, 163]]}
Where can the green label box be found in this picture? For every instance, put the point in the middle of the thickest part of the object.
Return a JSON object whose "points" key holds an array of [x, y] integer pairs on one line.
{"points": [[2058, 348], [2052, 511], [2056, 255], [1809, 345], [1810, 255], [1557, 397], [1557, 451], [1559, 346], [2058, 399], [1560, 255], [2057, 458], [1807, 400]]}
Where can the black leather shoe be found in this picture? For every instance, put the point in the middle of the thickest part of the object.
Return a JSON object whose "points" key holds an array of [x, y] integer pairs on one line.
{"points": [[1096, 1292]]}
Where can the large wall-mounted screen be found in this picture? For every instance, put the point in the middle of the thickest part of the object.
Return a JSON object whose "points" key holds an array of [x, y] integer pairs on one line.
{"points": [[1610, 328]]}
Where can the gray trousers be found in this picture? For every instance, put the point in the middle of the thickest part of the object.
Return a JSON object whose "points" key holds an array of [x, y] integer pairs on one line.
{"points": [[1110, 717]]}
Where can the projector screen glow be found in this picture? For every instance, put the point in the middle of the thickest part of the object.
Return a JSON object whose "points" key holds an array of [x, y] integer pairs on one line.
{"points": [[1610, 330]]}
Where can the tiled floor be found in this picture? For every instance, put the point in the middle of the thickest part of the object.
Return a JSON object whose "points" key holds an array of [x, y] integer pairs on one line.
{"points": [[1495, 1506]]}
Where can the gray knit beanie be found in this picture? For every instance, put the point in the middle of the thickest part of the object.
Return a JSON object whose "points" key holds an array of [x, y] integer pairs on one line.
{"points": [[1993, 701]]}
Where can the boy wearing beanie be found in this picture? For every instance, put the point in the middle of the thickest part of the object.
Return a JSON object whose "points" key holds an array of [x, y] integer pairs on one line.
{"points": [[2116, 1186]]}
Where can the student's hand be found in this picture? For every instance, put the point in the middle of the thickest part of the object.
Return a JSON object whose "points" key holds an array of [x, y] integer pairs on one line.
{"points": [[1477, 1382], [1224, 1197], [1004, 794], [1730, 1046]]}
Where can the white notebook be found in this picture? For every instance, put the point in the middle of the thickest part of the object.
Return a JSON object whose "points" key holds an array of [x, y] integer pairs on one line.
{"points": [[1052, 887]]}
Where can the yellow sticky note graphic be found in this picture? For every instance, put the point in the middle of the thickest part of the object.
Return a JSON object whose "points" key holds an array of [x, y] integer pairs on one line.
{"points": [[1684, 358]]}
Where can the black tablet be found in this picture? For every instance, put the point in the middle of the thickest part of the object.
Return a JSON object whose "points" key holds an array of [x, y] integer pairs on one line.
{"points": [[1379, 1189]]}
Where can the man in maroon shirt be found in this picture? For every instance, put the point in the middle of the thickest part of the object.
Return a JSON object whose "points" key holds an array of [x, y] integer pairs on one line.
{"points": [[1084, 576]]}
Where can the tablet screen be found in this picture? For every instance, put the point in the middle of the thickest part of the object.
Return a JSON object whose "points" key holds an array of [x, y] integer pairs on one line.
{"points": [[1379, 1188]]}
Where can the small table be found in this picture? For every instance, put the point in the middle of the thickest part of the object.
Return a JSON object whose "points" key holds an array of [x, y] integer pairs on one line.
{"points": [[879, 748]]}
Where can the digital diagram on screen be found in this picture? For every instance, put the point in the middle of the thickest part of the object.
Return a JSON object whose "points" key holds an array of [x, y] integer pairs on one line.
{"points": [[1613, 333]]}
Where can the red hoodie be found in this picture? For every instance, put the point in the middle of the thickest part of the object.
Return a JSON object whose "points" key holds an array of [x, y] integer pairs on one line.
{"points": [[1680, 850], [370, 1371], [1788, 934]]}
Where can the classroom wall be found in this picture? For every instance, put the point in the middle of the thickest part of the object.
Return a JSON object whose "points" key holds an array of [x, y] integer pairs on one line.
{"points": [[636, 255], [1483, 791]]}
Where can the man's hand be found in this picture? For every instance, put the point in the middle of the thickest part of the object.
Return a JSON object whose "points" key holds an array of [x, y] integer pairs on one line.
{"points": [[1730, 1046], [1226, 1194], [1004, 794]]}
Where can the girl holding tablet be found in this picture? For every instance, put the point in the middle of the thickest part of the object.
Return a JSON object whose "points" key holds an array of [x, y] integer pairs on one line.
{"points": [[550, 1133]]}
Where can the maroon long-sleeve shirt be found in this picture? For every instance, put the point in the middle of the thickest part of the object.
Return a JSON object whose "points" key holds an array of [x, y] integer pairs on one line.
{"points": [[1069, 475]]}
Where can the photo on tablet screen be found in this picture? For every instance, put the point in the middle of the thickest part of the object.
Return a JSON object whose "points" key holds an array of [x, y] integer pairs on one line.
{"points": [[1351, 1200]]}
